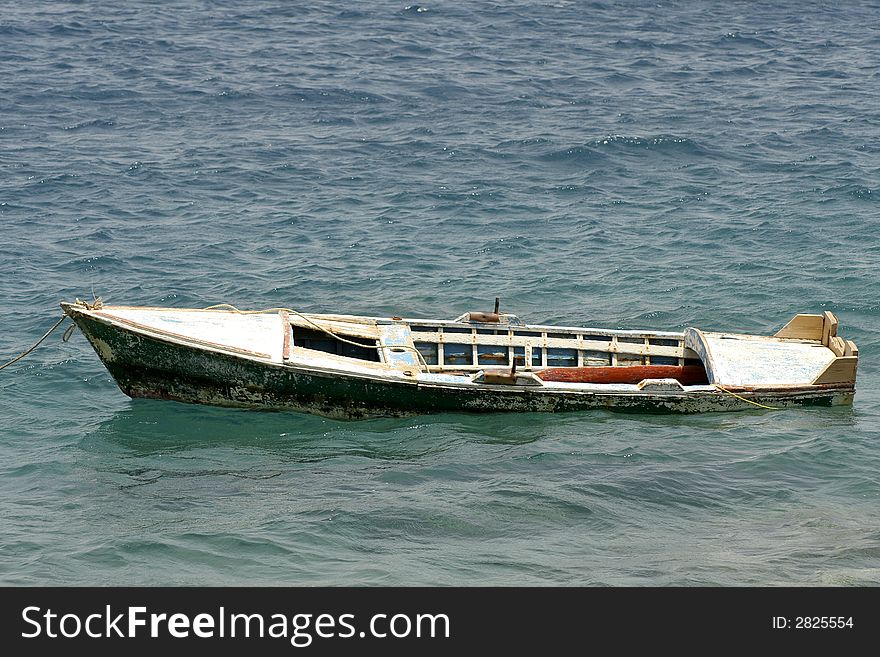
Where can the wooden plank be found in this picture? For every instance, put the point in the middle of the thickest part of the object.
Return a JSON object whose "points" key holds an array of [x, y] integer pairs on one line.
{"points": [[397, 346], [851, 349], [345, 329], [285, 326], [804, 327], [837, 345], [829, 327], [840, 370], [574, 342]]}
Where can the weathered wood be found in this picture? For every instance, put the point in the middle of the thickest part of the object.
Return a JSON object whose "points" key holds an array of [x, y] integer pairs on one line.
{"points": [[837, 345], [829, 327], [397, 346], [840, 370], [285, 326], [661, 385], [505, 339], [851, 349], [346, 329], [803, 327]]}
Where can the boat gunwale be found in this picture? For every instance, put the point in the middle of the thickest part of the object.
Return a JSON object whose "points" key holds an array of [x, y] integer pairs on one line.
{"points": [[420, 321], [576, 341]]}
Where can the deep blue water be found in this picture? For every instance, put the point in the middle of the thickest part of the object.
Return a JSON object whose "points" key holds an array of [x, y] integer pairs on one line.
{"points": [[617, 164]]}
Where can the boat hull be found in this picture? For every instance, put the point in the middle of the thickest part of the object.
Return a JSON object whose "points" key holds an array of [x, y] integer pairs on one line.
{"points": [[152, 367]]}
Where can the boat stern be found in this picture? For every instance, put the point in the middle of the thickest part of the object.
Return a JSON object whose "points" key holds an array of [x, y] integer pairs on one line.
{"points": [[805, 355]]}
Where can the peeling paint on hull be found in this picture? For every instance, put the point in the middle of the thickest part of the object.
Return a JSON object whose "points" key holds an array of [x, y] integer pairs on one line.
{"points": [[145, 366]]}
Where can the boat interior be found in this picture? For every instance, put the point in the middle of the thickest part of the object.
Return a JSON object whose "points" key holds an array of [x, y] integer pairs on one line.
{"points": [[464, 347], [499, 348]]}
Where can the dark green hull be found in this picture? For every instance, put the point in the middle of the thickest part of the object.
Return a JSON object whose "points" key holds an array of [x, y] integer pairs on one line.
{"points": [[151, 367]]}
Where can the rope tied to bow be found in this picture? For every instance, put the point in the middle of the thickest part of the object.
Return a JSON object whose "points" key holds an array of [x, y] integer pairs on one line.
{"points": [[37, 343]]}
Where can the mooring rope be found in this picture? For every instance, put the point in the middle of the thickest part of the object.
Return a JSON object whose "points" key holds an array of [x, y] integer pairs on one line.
{"points": [[748, 401], [35, 345], [96, 304], [419, 356]]}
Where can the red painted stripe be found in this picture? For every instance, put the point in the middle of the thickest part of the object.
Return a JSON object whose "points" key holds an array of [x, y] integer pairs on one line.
{"points": [[687, 375]]}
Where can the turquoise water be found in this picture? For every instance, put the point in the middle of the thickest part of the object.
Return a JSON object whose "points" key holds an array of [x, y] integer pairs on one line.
{"points": [[613, 164]]}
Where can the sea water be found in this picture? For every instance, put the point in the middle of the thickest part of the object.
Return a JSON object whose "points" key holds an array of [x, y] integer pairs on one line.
{"points": [[611, 164]]}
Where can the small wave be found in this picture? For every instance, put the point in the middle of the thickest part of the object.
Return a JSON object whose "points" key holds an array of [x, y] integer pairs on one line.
{"points": [[94, 123], [865, 194], [576, 154], [659, 143], [14, 30], [446, 91], [104, 264], [352, 14], [621, 78], [72, 29], [830, 73], [634, 43], [105, 93], [644, 44], [531, 141], [334, 120], [739, 71], [854, 191], [742, 40], [328, 96], [228, 93]]}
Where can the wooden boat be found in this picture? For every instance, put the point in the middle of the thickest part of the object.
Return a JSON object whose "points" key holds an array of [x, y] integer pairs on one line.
{"points": [[346, 366]]}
